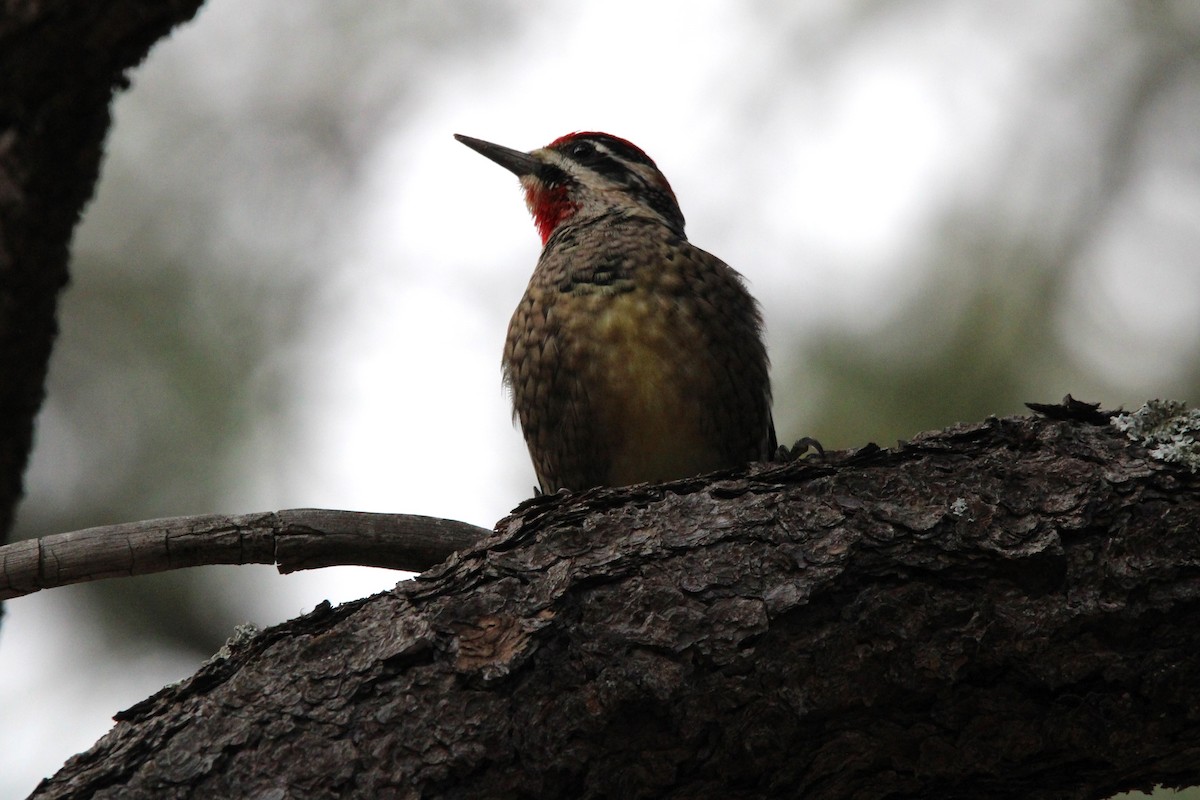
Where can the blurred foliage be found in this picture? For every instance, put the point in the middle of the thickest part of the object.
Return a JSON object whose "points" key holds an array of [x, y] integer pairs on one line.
{"points": [[157, 382], [987, 322]]}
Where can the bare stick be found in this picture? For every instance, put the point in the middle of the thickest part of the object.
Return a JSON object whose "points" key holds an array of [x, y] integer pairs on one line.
{"points": [[295, 539]]}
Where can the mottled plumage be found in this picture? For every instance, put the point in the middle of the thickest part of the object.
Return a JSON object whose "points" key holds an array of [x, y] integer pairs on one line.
{"points": [[633, 356]]}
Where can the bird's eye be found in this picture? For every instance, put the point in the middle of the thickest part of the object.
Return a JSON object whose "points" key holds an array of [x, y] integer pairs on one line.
{"points": [[582, 149]]}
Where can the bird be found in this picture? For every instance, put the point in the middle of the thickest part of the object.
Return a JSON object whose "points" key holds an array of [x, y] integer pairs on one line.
{"points": [[633, 356]]}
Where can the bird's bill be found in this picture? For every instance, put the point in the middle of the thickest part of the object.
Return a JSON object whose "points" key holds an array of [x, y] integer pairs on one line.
{"points": [[516, 162]]}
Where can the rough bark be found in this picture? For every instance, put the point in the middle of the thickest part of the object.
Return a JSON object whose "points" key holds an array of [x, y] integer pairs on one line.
{"points": [[60, 63], [1003, 609]]}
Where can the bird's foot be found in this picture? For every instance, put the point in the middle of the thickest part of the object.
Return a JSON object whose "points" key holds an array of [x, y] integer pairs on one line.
{"points": [[802, 446]]}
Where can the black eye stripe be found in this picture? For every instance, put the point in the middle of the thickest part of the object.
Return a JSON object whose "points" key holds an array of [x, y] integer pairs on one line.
{"points": [[595, 150], [595, 158], [587, 154], [623, 150], [612, 168]]}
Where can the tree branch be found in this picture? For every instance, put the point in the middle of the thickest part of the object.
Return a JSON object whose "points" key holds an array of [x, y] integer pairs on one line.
{"points": [[1003, 609], [296, 539]]}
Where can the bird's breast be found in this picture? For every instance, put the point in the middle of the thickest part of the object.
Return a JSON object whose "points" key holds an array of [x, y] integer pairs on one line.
{"points": [[636, 357]]}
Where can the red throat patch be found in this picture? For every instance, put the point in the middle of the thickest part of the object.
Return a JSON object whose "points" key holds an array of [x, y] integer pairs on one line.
{"points": [[550, 207]]}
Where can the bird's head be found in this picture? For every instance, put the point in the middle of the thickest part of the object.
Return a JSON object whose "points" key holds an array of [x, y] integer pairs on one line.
{"points": [[584, 175]]}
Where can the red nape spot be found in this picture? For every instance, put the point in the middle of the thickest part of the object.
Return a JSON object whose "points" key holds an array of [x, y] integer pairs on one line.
{"points": [[550, 207]]}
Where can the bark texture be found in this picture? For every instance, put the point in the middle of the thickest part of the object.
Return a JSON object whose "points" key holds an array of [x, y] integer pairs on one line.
{"points": [[1003, 609], [60, 63]]}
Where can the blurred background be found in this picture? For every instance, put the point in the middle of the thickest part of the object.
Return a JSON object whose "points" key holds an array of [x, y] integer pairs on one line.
{"points": [[293, 284]]}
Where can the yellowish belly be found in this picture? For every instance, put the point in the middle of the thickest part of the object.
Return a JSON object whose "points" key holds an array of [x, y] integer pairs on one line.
{"points": [[650, 391]]}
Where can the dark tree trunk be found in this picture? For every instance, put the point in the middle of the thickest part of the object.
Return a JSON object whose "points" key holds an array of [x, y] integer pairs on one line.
{"points": [[1005, 609], [60, 62]]}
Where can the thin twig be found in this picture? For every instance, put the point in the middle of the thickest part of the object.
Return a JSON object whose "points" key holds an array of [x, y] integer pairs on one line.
{"points": [[295, 539]]}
